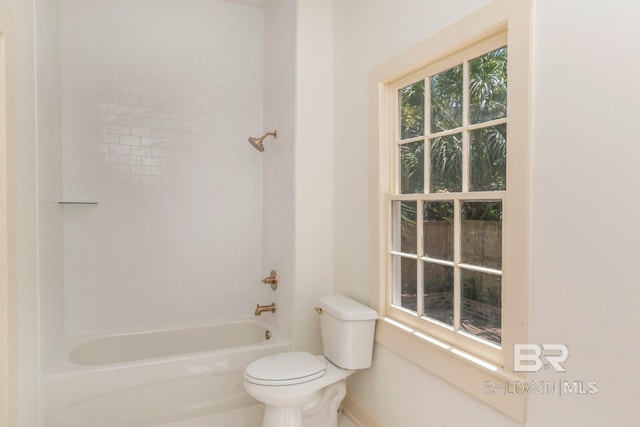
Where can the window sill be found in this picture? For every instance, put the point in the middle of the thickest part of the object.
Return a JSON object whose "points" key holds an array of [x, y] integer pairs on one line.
{"points": [[483, 380]]}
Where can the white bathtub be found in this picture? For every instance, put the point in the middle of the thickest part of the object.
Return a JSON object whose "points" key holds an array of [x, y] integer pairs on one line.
{"points": [[147, 378]]}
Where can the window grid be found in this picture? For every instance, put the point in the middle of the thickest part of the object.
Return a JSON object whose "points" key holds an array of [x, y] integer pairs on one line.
{"points": [[457, 251], [457, 197], [420, 250], [465, 126], [427, 125]]}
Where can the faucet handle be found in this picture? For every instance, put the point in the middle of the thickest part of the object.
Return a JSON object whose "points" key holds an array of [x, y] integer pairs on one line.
{"points": [[271, 279]]}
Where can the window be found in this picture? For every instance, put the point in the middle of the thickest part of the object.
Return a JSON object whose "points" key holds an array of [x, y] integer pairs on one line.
{"points": [[447, 194], [450, 201]]}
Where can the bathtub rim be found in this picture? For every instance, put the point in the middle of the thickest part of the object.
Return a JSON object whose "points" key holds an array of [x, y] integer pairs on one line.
{"points": [[62, 365]]}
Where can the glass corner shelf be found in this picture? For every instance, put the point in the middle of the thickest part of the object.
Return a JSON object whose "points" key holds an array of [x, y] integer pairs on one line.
{"points": [[77, 203]]}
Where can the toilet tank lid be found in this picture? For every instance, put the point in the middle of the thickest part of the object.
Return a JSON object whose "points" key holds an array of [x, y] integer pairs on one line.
{"points": [[344, 308]]}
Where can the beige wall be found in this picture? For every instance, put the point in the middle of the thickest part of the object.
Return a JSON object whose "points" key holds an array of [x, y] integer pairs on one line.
{"points": [[49, 124], [313, 169], [584, 173], [8, 335], [27, 370]]}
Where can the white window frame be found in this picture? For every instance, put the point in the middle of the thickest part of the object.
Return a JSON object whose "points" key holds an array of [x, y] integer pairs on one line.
{"points": [[453, 335], [465, 365]]}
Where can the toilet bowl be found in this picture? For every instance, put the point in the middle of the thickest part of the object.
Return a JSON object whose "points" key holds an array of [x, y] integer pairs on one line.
{"points": [[300, 389]]}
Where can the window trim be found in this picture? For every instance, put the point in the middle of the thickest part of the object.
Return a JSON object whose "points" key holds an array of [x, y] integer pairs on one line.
{"points": [[488, 351], [8, 344], [453, 364]]}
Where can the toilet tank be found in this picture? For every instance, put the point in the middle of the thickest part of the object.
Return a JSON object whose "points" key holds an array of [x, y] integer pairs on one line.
{"points": [[347, 331]]}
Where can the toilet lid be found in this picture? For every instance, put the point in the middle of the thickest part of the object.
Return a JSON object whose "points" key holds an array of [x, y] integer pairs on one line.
{"points": [[286, 369]]}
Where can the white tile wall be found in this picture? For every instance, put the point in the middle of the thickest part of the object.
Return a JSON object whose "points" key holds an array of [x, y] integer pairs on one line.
{"points": [[278, 176], [159, 98]]}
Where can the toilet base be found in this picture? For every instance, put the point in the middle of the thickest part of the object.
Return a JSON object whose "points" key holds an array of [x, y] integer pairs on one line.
{"points": [[319, 412]]}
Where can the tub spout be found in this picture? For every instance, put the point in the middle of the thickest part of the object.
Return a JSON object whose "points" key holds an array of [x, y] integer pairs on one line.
{"points": [[262, 308]]}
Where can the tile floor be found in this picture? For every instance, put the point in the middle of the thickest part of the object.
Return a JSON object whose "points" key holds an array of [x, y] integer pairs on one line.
{"points": [[250, 416]]}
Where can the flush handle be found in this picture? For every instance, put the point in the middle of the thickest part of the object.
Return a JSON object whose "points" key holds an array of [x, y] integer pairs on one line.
{"points": [[318, 310]]}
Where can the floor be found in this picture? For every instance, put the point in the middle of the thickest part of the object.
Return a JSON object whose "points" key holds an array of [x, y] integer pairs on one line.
{"points": [[250, 416], [343, 421]]}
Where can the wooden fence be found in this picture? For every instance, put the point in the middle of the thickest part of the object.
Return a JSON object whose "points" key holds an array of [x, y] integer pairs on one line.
{"points": [[481, 246]]}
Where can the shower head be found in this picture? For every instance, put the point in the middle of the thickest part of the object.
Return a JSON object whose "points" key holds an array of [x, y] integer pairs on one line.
{"points": [[257, 142]]}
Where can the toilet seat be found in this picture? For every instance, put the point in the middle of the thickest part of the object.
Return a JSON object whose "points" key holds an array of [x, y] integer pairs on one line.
{"points": [[286, 369]]}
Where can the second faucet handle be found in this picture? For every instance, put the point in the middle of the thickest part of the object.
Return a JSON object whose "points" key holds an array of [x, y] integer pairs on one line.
{"points": [[271, 279]]}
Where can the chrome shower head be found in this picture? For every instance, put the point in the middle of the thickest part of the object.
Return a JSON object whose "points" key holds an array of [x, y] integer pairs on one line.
{"points": [[257, 142]]}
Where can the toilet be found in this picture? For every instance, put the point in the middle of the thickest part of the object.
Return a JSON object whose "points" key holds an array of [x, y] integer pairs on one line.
{"points": [[300, 389]]}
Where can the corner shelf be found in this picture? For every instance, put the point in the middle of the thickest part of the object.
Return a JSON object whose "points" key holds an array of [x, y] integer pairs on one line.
{"points": [[77, 203]]}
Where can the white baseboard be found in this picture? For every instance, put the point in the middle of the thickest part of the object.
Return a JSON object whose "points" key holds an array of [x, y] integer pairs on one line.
{"points": [[356, 413]]}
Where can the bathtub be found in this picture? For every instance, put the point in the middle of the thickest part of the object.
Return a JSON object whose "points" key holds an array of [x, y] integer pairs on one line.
{"points": [[147, 378]]}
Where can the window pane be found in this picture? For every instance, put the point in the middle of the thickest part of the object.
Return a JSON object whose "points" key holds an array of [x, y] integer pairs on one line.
{"points": [[482, 233], [488, 86], [412, 110], [412, 167], [446, 100], [438, 230], [480, 312], [446, 164], [404, 235], [438, 292], [405, 273], [488, 159]]}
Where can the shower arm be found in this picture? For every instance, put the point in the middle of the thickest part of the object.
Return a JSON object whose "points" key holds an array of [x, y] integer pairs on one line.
{"points": [[273, 134], [257, 142]]}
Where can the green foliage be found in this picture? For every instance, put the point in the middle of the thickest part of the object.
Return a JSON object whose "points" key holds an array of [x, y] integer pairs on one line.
{"points": [[494, 296], [412, 110], [482, 211], [446, 164], [474, 292], [470, 291], [488, 86], [446, 100], [441, 280], [488, 159], [412, 164], [438, 211], [408, 219], [487, 101]]}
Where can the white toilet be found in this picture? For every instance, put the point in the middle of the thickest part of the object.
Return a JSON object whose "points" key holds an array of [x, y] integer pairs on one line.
{"points": [[303, 390]]}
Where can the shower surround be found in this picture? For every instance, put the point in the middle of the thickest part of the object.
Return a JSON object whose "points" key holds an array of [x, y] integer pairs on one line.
{"points": [[158, 97]]}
